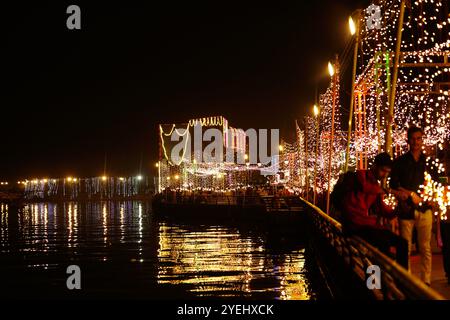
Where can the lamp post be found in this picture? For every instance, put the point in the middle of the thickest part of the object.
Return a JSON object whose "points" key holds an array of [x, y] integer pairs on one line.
{"points": [[316, 114], [354, 29], [306, 160], [334, 73], [158, 165], [390, 120], [280, 161]]}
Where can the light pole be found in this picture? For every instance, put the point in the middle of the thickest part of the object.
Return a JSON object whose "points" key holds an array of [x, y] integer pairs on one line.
{"points": [[281, 167], [158, 165], [334, 73], [354, 29], [306, 160], [390, 119], [316, 114]]}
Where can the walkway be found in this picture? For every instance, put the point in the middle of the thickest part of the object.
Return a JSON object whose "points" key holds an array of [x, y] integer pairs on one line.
{"points": [[438, 279]]}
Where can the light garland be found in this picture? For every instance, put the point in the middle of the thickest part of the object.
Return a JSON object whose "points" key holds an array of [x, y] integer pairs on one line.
{"points": [[391, 201], [435, 192], [89, 188]]}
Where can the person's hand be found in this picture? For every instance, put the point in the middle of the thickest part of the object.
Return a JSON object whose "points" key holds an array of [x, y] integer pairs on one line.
{"points": [[435, 207], [416, 199], [403, 195]]}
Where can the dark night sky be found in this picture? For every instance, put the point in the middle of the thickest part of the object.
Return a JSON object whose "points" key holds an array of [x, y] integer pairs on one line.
{"points": [[70, 96]]}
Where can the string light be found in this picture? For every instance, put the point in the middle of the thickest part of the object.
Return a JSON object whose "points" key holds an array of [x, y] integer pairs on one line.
{"points": [[91, 188], [391, 201]]}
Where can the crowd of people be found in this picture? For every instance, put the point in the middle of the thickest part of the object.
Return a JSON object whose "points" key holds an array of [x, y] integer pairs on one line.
{"points": [[233, 196]]}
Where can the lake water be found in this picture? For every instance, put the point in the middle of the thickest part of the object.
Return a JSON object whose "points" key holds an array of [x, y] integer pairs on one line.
{"points": [[123, 251]]}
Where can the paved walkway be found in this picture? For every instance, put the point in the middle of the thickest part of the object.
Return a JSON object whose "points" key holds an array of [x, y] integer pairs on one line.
{"points": [[438, 278]]}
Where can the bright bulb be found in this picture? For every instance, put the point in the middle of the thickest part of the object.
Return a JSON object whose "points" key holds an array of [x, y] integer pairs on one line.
{"points": [[330, 69], [352, 26], [316, 110]]}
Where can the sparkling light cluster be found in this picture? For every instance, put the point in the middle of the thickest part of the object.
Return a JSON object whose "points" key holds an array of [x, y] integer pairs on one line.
{"points": [[422, 96], [390, 200], [96, 187], [434, 192]]}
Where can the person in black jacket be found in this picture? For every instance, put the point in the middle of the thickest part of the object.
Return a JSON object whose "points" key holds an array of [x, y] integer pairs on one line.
{"points": [[408, 174]]}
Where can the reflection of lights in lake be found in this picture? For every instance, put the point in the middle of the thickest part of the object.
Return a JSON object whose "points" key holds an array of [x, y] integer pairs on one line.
{"points": [[140, 222], [4, 223], [75, 224], [69, 223], [208, 261], [220, 261], [122, 222], [105, 222]]}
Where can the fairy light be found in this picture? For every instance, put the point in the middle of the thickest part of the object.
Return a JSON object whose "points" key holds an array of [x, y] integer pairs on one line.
{"points": [[391, 201], [425, 40], [434, 192]]}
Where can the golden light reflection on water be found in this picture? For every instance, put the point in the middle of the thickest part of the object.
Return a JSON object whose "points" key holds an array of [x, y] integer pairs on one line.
{"points": [[72, 223], [4, 222], [140, 231], [122, 222], [222, 262], [105, 222], [35, 219], [45, 214], [69, 225], [207, 261]]}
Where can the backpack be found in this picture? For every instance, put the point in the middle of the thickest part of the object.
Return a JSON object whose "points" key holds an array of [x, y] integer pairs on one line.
{"points": [[346, 183]]}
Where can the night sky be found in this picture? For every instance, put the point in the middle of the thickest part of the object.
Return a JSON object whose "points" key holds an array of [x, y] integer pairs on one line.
{"points": [[71, 96]]}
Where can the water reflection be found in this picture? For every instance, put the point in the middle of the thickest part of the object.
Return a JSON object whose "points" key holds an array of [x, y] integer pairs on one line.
{"points": [[105, 222], [4, 223], [108, 239], [219, 261]]}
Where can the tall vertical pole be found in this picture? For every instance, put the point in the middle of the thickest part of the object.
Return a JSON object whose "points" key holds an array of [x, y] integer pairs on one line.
{"points": [[365, 150], [159, 176], [377, 99], [352, 96], [104, 166], [390, 120], [315, 162], [336, 74], [306, 158], [360, 165]]}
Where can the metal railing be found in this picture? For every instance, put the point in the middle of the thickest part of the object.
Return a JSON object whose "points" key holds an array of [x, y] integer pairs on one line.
{"points": [[396, 282], [240, 200], [283, 203]]}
